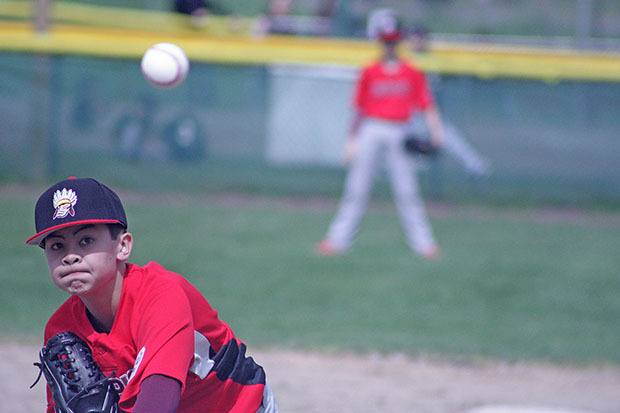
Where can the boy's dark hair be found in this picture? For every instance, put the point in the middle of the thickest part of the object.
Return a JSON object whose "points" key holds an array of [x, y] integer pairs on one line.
{"points": [[116, 230]]}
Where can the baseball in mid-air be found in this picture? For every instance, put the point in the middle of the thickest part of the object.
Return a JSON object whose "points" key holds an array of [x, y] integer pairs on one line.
{"points": [[165, 65]]}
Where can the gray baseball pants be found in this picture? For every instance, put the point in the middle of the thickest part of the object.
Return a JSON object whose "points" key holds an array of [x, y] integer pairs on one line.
{"points": [[269, 404], [377, 139]]}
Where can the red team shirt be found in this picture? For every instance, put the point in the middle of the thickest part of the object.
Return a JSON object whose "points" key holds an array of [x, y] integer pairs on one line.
{"points": [[393, 95], [161, 327]]}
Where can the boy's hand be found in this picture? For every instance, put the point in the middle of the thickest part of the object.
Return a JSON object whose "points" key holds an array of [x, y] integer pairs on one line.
{"points": [[76, 382]]}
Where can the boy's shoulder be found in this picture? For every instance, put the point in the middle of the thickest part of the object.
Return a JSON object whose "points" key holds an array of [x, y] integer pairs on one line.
{"points": [[142, 281], [153, 283], [411, 67], [372, 67], [152, 272]]}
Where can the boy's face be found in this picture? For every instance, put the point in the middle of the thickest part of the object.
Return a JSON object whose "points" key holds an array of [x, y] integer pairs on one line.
{"points": [[84, 258], [389, 48]]}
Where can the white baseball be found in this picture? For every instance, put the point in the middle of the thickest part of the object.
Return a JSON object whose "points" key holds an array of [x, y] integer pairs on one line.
{"points": [[165, 65]]}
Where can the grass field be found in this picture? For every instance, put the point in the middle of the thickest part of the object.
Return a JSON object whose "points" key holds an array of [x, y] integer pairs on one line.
{"points": [[511, 284]]}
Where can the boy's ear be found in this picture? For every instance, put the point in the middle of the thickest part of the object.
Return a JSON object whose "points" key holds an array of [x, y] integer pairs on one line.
{"points": [[125, 245]]}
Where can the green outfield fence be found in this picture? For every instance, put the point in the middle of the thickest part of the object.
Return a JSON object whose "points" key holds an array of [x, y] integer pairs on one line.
{"points": [[269, 116]]}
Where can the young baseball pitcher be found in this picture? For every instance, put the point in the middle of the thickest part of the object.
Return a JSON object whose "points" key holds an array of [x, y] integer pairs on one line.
{"points": [[153, 342], [388, 93]]}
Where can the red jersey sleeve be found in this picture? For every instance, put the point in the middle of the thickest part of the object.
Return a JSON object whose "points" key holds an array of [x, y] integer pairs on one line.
{"points": [[164, 334], [361, 91], [422, 97]]}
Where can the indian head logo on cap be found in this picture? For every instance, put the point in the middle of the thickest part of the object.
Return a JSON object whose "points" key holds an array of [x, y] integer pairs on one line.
{"points": [[56, 207], [63, 202]]}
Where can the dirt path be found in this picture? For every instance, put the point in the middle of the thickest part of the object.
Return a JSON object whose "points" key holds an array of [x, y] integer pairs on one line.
{"points": [[342, 383]]}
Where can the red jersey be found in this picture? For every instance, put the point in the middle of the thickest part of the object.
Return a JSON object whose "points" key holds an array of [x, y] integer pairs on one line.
{"points": [[392, 95], [164, 325]]}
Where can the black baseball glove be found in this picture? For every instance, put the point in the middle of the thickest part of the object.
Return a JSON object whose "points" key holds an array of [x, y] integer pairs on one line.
{"points": [[76, 382], [416, 145]]}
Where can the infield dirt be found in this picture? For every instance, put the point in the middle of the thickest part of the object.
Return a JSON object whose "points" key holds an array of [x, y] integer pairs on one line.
{"points": [[336, 382]]}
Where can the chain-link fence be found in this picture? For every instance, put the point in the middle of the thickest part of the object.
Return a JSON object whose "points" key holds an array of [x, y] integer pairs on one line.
{"points": [[280, 129]]}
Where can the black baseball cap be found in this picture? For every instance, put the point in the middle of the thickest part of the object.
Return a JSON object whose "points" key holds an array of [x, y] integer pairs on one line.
{"points": [[75, 201]]}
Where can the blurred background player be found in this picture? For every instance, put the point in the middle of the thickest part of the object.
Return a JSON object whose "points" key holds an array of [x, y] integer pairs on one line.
{"points": [[388, 92]]}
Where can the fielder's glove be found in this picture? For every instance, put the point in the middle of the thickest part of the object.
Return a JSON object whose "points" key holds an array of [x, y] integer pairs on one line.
{"points": [[416, 145], [76, 382]]}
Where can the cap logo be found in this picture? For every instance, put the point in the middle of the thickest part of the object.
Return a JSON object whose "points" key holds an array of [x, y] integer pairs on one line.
{"points": [[64, 201]]}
